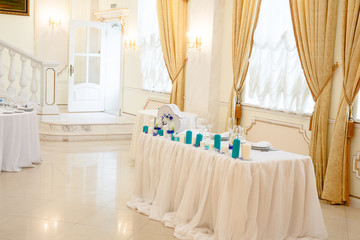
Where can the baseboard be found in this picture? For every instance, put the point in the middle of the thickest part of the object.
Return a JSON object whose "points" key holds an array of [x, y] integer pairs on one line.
{"points": [[354, 202]]}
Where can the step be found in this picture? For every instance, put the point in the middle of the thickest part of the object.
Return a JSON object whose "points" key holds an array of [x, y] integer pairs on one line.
{"points": [[86, 127]]}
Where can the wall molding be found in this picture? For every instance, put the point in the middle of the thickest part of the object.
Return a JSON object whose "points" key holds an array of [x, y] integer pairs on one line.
{"points": [[299, 127], [141, 90], [254, 108]]}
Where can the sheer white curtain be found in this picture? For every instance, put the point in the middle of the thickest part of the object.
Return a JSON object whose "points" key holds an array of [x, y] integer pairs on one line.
{"points": [[275, 79], [154, 74]]}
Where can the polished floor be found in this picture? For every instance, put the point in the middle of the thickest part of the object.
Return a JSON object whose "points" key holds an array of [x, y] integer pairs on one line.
{"points": [[80, 191]]}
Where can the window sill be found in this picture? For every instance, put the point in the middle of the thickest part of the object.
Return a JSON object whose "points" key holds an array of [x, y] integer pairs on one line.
{"points": [[272, 111]]}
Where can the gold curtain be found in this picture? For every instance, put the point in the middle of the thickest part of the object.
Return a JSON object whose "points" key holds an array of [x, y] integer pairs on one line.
{"points": [[244, 19], [172, 16], [336, 186], [314, 23]]}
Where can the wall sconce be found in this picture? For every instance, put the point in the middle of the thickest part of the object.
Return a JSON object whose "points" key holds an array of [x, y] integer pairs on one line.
{"points": [[130, 43], [53, 23], [194, 43]]}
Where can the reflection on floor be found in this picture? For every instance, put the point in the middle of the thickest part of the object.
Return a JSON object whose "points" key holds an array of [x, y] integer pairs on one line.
{"points": [[80, 192]]}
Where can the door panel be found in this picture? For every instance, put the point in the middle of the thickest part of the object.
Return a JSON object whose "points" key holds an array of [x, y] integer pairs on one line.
{"points": [[80, 73], [94, 70], [86, 59]]}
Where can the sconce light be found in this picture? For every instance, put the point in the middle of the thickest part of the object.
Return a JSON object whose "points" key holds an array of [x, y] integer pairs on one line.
{"points": [[194, 42], [54, 23], [129, 43]]}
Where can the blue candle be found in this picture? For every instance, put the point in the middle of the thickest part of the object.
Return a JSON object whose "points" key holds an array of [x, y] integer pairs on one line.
{"points": [[217, 141], [236, 148], [160, 132], [145, 129], [199, 138], [188, 137]]}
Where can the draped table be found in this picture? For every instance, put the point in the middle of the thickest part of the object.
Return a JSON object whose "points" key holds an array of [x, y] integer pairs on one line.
{"points": [[19, 141], [144, 117], [207, 195]]}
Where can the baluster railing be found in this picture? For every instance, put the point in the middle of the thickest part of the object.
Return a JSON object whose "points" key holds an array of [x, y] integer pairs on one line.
{"points": [[23, 92], [47, 100], [34, 89], [12, 76]]}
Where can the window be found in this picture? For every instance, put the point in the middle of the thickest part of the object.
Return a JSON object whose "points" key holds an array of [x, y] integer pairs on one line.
{"points": [[275, 79], [355, 108], [154, 73]]}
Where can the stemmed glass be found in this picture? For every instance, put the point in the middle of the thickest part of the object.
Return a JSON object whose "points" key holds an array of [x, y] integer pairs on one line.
{"points": [[210, 121], [201, 124], [231, 125]]}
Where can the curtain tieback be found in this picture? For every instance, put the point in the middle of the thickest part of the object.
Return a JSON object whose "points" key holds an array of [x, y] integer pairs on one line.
{"points": [[349, 102], [322, 89], [327, 81], [310, 124], [173, 79]]}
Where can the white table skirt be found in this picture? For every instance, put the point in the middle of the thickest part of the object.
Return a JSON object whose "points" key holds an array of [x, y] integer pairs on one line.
{"points": [[19, 141], [207, 195], [144, 117]]}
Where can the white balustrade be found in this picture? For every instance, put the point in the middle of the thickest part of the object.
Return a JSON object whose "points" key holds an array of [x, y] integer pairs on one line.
{"points": [[23, 92], [43, 98], [33, 97], [12, 76]]}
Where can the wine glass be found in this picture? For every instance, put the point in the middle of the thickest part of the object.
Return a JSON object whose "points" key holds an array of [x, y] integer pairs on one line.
{"points": [[210, 121], [231, 124], [201, 124]]}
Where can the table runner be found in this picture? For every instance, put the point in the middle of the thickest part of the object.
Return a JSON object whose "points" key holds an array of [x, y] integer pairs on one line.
{"points": [[207, 195]]}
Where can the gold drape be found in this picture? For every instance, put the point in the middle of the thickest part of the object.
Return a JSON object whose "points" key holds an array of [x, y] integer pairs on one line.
{"points": [[336, 187], [314, 23], [172, 16], [244, 19]]}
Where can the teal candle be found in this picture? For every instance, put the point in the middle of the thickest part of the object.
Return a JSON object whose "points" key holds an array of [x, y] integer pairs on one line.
{"points": [[145, 129], [199, 138], [217, 141], [160, 132], [236, 148], [172, 137], [188, 137]]}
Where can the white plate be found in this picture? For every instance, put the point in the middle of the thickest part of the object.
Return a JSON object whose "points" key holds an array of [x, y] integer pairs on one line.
{"points": [[19, 111], [26, 109], [223, 136]]}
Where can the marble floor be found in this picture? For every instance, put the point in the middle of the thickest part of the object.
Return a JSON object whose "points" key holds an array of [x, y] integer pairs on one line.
{"points": [[80, 192]]}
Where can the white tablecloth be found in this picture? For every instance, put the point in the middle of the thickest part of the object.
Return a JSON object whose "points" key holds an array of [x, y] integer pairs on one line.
{"points": [[207, 195], [19, 141], [144, 117]]}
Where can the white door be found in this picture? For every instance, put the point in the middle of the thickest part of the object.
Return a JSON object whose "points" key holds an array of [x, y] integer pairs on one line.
{"points": [[86, 60]]}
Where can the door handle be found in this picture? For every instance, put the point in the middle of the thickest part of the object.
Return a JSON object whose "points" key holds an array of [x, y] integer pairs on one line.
{"points": [[71, 70]]}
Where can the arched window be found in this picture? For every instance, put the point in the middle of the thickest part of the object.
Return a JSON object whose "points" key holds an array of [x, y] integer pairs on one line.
{"points": [[153, 70], [275, 78]]}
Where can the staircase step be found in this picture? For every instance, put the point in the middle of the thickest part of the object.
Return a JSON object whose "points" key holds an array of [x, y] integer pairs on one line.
{"points": [[86, 127]]}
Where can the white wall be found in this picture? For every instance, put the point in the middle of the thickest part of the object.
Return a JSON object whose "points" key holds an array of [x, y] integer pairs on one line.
{"points": [[19, 30], [52, 44]]}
